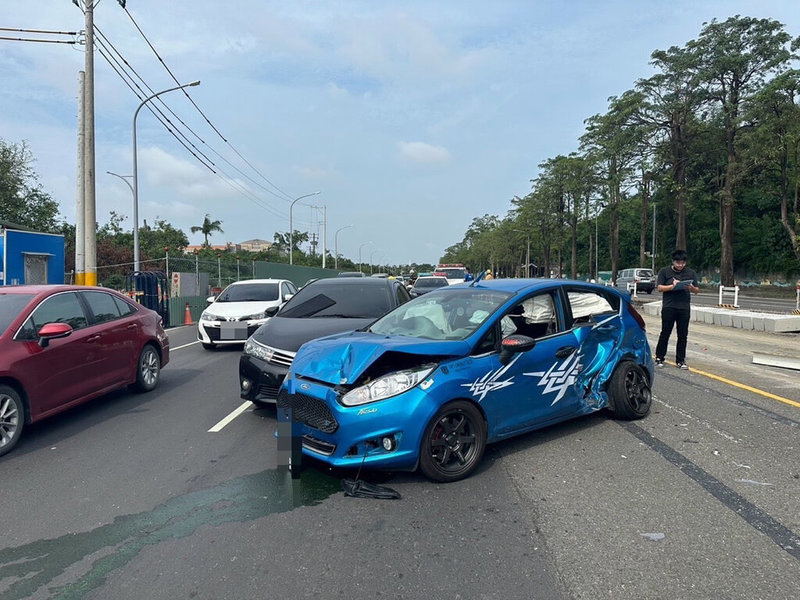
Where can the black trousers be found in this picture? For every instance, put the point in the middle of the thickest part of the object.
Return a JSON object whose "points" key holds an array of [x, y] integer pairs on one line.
{"points": [[679, 318]]}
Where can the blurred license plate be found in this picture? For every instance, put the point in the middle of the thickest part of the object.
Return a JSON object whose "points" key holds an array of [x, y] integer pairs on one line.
{"points": [[233, 331]]}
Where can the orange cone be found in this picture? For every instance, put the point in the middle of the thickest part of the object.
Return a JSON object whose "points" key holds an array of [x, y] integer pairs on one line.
{"points": [[187, 320]]}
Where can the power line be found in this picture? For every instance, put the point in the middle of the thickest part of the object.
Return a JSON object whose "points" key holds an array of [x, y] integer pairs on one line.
{"points": [[286, 195], [124, 69]]}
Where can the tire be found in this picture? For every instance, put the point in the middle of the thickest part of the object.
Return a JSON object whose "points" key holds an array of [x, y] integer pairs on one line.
{"points": [[629, 392], [453, 442], [12, 418], [148, 369], [208, 346]]}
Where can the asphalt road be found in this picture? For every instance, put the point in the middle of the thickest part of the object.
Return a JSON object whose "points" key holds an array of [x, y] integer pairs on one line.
{"points": [[133, 497]]}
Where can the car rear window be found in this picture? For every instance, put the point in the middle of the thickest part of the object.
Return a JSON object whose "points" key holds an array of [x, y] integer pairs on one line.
{"points": [[433, 282], [249, 292], [10, 307]]}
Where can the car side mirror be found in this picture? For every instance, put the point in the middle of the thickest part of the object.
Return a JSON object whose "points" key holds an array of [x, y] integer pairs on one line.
{"points": [[288, 297], [271, 311], [513, 344], [211, 299], [53, 331]]}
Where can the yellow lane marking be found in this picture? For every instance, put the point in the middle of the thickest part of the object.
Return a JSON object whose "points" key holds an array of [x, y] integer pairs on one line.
{"points": [[746, 387]]}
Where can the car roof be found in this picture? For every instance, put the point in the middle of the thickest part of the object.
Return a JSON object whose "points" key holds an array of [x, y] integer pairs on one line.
{"points": [[48, 289], [361, 281], [515, 285], [249, 281]]}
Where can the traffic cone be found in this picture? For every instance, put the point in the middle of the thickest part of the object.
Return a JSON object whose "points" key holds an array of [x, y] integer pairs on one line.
{"points": [[187, 320]]}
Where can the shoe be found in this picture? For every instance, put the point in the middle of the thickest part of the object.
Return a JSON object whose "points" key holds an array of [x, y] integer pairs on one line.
{"points": [[681, 365], [659, 362]]}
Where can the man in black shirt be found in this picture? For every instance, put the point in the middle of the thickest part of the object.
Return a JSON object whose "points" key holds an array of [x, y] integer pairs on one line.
{"points": [[675, 282]]}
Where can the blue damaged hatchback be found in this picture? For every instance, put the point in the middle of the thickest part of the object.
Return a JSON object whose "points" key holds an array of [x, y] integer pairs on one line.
{"points": [[429, 384]]}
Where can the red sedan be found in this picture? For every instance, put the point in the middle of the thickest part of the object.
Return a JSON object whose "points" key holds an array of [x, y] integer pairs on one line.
{"points": [[61, 345]]}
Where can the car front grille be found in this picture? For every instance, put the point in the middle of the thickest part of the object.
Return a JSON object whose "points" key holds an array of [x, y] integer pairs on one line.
{"points": [[308, 410], [269, 392], [281, 358], [318, 446]]}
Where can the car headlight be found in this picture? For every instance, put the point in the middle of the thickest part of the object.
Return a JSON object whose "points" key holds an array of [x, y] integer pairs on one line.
{"points": [[387, 386], [258, 315], [253, 348], [208, 316]]}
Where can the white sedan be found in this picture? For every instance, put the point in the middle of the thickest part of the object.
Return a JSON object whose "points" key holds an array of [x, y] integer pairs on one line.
{"points": [[240, 309]]}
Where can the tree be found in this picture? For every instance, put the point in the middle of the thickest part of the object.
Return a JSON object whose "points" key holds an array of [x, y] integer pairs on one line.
{"points": [[22, 199], [613, 143], [207, 228], [732, 59]]}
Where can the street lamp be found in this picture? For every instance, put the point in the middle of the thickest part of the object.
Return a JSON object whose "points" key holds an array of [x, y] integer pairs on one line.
{"points": [[371, 254], [599, 207], [527, 254], [291, 226], [359, 254], [336, 247], [136, 175]]}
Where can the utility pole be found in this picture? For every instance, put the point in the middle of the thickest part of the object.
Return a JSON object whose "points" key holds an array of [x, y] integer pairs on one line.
{"points": [[80, 263], [89, 276]]}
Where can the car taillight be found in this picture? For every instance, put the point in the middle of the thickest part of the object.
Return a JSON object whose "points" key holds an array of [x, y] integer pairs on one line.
{"points": [[637, 317]]}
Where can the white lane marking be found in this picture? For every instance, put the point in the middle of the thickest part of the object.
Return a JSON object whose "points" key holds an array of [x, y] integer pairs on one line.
{"points": [[702, 422], [186, 345], [218, 427]]}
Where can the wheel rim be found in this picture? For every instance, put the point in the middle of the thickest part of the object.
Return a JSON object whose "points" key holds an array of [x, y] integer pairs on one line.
{"points": [[637, 392], [452, 444], [9, 419], [149, 367]]}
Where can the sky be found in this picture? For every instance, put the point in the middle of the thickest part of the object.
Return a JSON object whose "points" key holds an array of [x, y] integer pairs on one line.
{"points": [[410, 118]]}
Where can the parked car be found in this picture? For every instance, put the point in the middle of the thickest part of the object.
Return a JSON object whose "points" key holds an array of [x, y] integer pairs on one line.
{"points": [[431, 383], [323, 307], [425, 284], [240, 309], [62, 345], [644, 279]]}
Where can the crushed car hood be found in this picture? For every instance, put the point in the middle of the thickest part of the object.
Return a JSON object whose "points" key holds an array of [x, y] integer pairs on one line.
{"points": [[341, 359]]}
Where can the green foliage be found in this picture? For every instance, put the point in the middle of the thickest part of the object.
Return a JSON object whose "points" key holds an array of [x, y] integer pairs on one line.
{"points": [[22, 199]]}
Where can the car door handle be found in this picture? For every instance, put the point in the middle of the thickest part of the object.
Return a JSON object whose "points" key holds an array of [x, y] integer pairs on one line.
{"points": [[132, 326], [93, 338], [565, 351]]}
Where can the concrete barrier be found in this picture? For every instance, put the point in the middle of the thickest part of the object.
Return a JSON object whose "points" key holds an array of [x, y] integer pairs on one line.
{"points": [[740, 319]]}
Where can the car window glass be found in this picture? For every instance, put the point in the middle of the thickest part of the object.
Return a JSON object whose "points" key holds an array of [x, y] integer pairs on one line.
{"points": [[102, 305], [535, 317], [249, 292], [61, 308], [124, 308], [10, 307], [585, 304]]}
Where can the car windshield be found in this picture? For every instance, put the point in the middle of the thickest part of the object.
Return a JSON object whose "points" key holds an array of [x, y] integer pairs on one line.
{"points": [[452, 272], [10, 307], [249, 292], [433, 282], [356, 300], [446, 314]]}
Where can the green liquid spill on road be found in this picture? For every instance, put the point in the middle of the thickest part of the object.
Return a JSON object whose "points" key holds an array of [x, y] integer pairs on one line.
{"points": [[25, 569]]}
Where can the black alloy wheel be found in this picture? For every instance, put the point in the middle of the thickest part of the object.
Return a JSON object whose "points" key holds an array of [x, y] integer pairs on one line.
{"points": [[629, 390], [453, 443]]}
